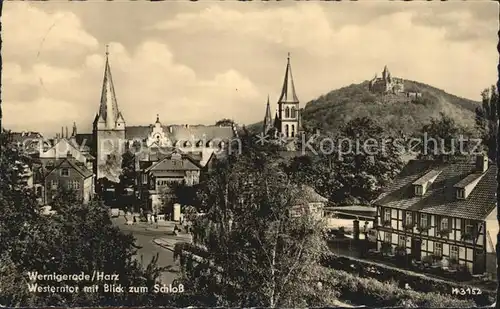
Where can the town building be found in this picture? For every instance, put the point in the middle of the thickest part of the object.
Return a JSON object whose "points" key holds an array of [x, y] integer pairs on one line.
{"points": [[444, 210], [157, 176], [71, 174], [111, 135], [287, 119]]}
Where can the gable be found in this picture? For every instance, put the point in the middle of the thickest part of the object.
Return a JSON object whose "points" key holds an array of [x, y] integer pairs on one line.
{"points": [[169, 164], [72, 166]]}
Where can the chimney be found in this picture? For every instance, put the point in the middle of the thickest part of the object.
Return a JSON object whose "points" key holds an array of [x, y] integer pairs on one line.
{"points": [[62, 132], [482, 163], [66, 132]]}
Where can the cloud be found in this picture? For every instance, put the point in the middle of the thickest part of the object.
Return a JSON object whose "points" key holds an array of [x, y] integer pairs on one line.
{"points": [[29, 31], [148, 81], [300, 26], [201, 65]]}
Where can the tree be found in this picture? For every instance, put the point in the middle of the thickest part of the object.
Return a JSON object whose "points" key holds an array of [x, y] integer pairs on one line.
{"points": [[78, 238], [225, 122], [444, 137], [487, 120], [127, 181], [350, 166], [249, 198]]}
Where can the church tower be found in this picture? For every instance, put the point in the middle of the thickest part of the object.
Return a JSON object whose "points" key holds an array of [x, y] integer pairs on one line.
{"points": [[268, 120], [108, 130], [287, 114]]}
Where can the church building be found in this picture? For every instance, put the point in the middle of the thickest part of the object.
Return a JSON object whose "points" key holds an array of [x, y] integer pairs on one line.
{"points": [[287, 120], [111, 136]]}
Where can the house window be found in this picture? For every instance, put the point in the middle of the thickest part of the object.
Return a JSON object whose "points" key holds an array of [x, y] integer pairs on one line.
{"points": [[388, 237], [402, 241], [438, 249], [53, 184], [387, 215], [454, 252], [408, 218], [468, 229], [460, 193], [444, 224], [423, 221], [65, 172], [419, 190]]}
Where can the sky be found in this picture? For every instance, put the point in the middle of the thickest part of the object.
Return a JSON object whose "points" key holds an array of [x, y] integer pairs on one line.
{"points": [[198, 62]]}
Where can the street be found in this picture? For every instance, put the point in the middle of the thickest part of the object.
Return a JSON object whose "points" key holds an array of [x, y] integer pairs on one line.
{"points": [[144, 239]]}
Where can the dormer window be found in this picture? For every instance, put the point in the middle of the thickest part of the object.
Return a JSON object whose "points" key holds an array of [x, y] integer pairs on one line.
{"points": [[423, 183], [65, 172], [465, 186], [419, 190]]}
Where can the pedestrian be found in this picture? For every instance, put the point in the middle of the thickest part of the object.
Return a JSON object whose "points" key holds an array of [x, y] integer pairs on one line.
{"points": [[135, 220]]}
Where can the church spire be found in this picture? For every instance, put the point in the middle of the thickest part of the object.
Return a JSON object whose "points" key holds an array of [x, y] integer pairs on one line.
{"points": [[288, 91], [268, 118], [108, 109]]}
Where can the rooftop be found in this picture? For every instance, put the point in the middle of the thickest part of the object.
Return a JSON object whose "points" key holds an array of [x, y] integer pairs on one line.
{"points": [[440, 197]]}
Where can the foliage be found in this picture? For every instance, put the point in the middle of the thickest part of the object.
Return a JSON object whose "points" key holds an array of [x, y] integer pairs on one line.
{"points": [[357, 163], [387, 294], [393, 113], [78, 238], [225, 122], [186, 194], [443, 136], [487, 120], [248, 199]]}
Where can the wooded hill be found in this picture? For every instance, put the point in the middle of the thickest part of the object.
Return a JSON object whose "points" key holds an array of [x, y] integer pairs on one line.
{"points": [[394, 113]]}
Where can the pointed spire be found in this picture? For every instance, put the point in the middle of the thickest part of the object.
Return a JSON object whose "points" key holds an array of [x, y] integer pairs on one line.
{"points": [[385, 73], [108, 110], [268, 118], [288, 91]]}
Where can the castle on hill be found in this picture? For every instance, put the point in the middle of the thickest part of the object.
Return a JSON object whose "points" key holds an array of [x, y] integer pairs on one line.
{"points": [[387, 84]]}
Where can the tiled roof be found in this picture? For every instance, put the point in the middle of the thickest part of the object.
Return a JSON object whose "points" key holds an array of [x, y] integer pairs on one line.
{"points": [[181, 132], [22, 136], [440, 197], [428, 176], [76, 165], [467, 180], [86, 139], [183, 163]]}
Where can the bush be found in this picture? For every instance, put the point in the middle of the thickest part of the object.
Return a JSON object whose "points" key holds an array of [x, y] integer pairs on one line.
{"points": [[383, 273], [386, 294]]}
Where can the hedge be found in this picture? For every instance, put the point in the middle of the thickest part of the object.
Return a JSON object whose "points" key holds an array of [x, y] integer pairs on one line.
{"points": [[380, 272], [369, 291], [382, 291]]}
